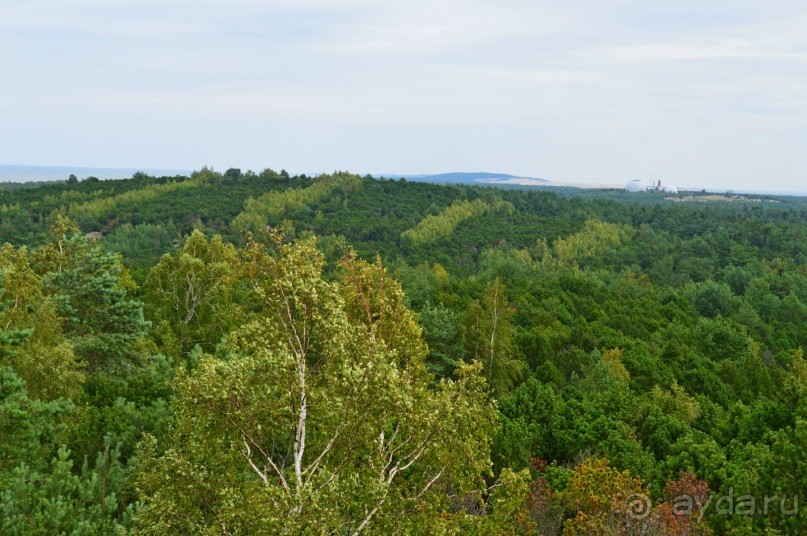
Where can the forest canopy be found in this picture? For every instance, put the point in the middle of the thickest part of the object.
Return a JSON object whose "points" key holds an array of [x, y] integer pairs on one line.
{"points": [[248, 353]]}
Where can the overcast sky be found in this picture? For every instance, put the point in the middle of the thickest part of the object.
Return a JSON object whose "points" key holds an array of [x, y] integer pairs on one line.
{"points": [[698, 93]]}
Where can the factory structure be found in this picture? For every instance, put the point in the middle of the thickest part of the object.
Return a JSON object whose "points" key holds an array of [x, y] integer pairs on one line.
{"points": [[639, 186]]}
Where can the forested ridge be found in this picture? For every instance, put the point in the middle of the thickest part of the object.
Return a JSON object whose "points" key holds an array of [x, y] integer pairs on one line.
{"points": [[260, 353]]}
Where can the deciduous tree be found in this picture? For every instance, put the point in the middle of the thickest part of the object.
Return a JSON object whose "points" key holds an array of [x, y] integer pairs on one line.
{"points": [[319, 416]]}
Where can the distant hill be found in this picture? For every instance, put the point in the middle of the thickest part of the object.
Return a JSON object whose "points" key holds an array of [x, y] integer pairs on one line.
{"points": [[463, 178]]}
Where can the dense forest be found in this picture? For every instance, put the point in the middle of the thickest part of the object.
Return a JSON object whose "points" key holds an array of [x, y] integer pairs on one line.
{"points": [[244, 353]]}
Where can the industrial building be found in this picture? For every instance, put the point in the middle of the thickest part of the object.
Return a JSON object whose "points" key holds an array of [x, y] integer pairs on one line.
{"points": [[635, 186]]}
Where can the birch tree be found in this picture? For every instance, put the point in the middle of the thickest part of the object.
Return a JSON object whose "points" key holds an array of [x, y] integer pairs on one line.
{"points": [[489, 339], [192, 295], [319, 416]]}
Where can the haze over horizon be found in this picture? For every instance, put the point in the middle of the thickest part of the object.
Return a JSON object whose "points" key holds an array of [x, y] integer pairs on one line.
{"points": [[711, 95]]}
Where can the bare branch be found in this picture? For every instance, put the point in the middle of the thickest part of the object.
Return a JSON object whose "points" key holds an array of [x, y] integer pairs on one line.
{"points": [[313, 467], [245, 436], [429, 484], [371, 514], [248, 456]]}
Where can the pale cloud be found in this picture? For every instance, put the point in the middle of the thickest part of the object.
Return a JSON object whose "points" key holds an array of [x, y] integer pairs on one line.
{"points": [[732, 49], [699, 92]]}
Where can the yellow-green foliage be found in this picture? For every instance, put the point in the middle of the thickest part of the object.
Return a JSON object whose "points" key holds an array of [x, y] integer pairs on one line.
{"points": [[98, 208], [71, 197], [595, 239], [6, 210], [676, 402], [613, 360], [432, 228], [45, 362], [272, 206]]}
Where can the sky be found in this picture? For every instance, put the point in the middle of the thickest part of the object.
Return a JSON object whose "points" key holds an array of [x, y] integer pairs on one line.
{"points": [[697, 93]]}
